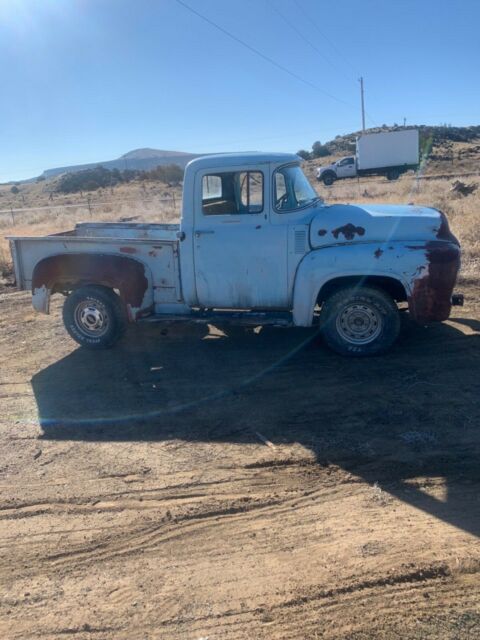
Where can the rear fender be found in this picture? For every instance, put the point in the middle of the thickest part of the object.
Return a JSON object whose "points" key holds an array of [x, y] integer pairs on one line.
{"points": [[65, 272]]}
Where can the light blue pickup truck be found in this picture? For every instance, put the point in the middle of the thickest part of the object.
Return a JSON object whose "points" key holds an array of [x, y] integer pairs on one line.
{"points": [[255, 245]]}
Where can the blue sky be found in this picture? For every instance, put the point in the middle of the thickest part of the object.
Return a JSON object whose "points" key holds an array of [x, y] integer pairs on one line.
{"points": [[88, 80]]}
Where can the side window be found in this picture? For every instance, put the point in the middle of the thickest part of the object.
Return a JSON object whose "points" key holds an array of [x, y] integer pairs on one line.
{"points": [[251, 193], [232, 193], [212, 187], [280, 186]]}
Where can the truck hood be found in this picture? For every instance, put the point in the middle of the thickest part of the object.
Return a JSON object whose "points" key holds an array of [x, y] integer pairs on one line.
{"points": [[327, 167], [345, 223]]}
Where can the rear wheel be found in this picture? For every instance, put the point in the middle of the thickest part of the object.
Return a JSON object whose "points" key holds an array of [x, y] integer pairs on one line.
{"points": [[94, 317], [360, 321], [393, 174]]}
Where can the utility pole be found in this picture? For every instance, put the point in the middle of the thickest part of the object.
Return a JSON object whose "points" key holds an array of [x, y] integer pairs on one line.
{"points": [[363, 103]]}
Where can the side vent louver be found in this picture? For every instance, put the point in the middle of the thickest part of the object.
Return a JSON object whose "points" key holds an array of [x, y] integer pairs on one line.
{"points": [[300, 238]]}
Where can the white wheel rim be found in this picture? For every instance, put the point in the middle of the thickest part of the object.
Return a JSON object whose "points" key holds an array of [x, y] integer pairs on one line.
{"points": [[91, 317], [359, 323]]}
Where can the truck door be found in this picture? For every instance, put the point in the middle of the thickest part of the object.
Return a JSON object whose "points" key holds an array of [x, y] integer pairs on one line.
{"points": [[346, 168], [240, 258]]}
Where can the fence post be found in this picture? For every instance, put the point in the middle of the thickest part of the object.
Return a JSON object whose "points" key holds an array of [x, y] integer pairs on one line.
{"points": [[174, 205], [89, 207], [13, 215]]}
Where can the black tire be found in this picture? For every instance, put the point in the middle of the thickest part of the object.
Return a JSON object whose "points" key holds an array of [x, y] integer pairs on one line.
{"points": [[94, 317], [360, 321], [393, 174], [328, 178]]}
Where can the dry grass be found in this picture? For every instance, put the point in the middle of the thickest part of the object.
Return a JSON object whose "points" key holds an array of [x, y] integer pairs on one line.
{"points": [[53, 220]]}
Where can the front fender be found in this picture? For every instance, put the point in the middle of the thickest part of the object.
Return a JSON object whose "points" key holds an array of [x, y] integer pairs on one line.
{"points": [[63, 272], [392, 260]]}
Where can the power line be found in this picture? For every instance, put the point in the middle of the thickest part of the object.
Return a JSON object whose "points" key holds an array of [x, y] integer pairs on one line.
{"points": [[260, 54], [332, 44], [305, 39]]}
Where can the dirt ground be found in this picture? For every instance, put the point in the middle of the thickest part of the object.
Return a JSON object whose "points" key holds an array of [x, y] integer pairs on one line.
{"points": [[200, 483]]}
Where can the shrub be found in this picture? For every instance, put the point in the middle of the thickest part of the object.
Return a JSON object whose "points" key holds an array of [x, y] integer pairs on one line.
{"points": [[100, 177], [304, 154], [165, 173], [319, 150], [86, 180]]}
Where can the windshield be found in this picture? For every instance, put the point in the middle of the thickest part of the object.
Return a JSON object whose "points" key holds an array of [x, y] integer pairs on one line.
{"points": [[292, 190]]}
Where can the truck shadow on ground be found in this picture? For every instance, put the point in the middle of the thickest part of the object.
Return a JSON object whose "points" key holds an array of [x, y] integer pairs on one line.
{"points": [[414, 413]]}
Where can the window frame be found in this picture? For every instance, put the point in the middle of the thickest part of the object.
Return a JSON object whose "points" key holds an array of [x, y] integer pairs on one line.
{"points": [[235, 171], [274, 206]]}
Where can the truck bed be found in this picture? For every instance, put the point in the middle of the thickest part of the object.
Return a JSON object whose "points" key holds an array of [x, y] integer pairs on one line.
{"points": [[154, 245]]}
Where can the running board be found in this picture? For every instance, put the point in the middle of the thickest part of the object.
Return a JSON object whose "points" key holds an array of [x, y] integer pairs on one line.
{"points": [[244, 318]]}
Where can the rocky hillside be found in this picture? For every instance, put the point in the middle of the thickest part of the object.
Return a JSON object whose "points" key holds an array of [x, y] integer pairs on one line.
{"points": [[438, 136]]}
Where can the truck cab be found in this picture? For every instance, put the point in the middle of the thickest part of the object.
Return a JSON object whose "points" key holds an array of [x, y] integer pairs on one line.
{"points": [[255, 245], [246, 226], [343, 168]]}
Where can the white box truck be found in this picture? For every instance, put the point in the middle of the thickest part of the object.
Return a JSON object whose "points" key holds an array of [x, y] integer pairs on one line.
{"points": [[388, 153]]}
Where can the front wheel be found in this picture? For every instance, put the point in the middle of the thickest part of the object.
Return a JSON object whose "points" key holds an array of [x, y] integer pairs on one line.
{"points": [[94, 317], [360, 321], [328, 179]]}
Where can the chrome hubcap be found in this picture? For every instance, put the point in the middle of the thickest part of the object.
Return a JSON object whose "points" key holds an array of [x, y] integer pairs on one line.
{"points": [[91, 318], [359, 323]]}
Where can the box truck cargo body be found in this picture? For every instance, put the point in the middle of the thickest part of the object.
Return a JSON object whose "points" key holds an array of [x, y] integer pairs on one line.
{"points": [[388, 149]]}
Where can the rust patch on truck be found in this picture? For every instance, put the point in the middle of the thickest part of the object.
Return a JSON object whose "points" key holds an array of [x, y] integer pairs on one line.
{"points": [[65, 272], [378, 253], [349, 231], [130, 250], [431, 298], [322, 232], [443, 231]]}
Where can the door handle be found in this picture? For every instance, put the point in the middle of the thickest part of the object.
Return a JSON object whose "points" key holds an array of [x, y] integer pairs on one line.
{"points": [[202, 232]]}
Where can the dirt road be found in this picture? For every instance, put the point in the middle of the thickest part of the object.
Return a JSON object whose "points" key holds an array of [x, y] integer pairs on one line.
{"points": [[203, 484]]}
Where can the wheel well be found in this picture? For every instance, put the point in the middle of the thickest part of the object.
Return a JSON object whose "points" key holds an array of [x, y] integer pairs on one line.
{"points": [[390, 285], [68, 287]]}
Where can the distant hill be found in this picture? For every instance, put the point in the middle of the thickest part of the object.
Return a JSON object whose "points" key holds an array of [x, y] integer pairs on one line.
{"points": [[140, 159]]}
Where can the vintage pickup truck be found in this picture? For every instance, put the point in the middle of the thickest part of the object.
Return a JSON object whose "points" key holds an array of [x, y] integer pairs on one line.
{"points": [[257, 246]]}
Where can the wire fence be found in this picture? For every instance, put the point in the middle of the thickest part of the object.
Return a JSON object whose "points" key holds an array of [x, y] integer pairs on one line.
{"points": [[19, 214]]}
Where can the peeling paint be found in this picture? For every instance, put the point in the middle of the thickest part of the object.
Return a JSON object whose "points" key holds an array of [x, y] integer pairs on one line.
{"points": [[431, 296], [67, 271], [443, 232], [41, 299], [322, 232], [378, 253], [130, 250], [348, 230]]}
